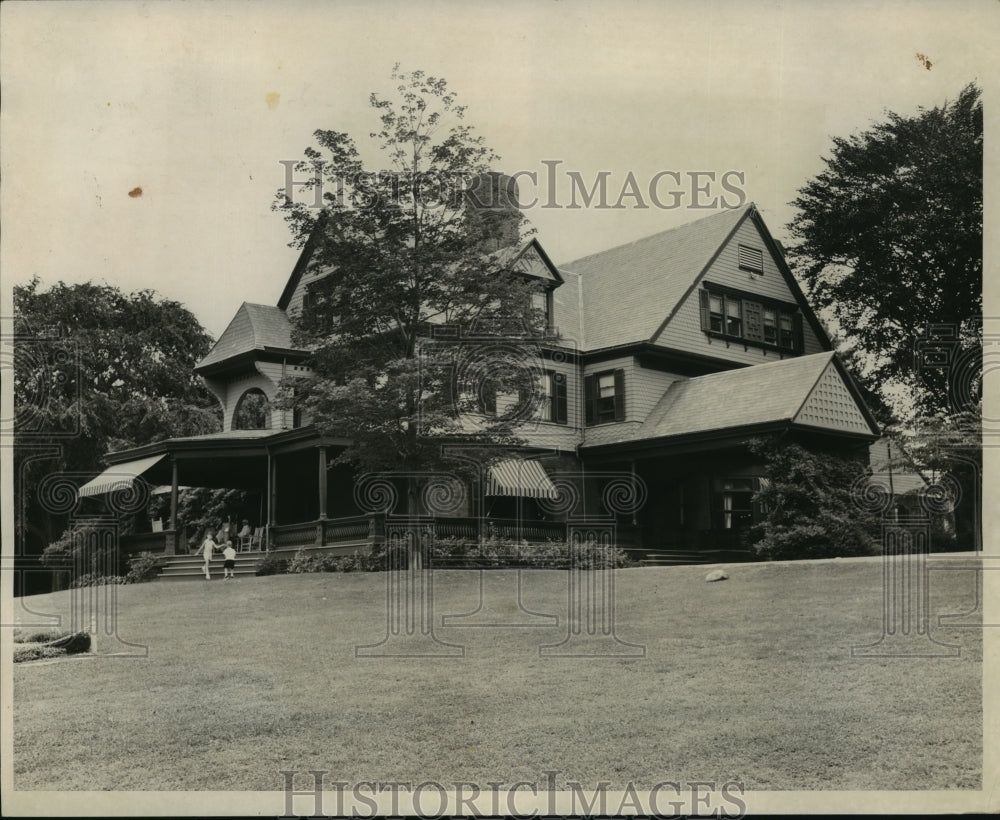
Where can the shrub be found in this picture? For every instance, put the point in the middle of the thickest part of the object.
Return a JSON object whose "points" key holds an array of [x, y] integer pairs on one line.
{"points": [[143, 567], [90, 579], [271, 564], [450, 552], [810, 512], [35, 652]]}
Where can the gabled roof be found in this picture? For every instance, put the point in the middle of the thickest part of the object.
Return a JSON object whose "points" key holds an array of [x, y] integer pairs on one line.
{"points": [[629, 290], [530, 259], [779, 391], [253, 328]]}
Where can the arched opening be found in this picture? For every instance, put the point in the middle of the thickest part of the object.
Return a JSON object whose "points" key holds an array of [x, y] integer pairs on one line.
{"points": [[253, 411]]}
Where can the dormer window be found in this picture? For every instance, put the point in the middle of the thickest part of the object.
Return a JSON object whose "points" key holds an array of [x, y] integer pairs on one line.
{"points": [[751, 260]]}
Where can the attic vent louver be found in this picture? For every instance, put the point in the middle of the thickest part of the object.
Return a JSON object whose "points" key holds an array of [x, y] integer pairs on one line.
{"points": [[751, 259]]}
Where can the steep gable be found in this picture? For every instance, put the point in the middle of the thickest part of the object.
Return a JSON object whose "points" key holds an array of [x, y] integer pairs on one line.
{"points": [[832, 406], [629, 290], [750, 265]]}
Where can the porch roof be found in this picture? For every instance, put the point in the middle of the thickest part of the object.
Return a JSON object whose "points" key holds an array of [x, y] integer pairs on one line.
{"points": [[808, 392]]}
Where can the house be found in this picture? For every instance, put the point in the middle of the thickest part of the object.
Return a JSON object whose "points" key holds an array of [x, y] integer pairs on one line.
{"points": [[672, 351]]}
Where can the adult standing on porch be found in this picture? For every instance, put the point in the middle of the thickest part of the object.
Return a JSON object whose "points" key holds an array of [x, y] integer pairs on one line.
{"points": [[207, 549]]}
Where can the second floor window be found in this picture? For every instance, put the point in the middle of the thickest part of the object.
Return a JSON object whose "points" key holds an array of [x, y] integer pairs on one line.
{"points": [[555, 408], [605, 396], [754, 321]]}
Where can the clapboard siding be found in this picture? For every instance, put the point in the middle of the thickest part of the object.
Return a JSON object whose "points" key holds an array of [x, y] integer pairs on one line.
{"points": [[541, 433], [310, 275], [683, 331], [643, 389], [650, 385]]}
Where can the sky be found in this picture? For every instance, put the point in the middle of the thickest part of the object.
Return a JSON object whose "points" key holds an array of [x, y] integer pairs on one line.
{"points": [[197, 103]]}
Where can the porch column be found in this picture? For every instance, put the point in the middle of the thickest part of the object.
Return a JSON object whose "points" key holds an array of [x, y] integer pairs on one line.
{"points": [[173, 494], [170, 547], [322, 482], [272, 475]]}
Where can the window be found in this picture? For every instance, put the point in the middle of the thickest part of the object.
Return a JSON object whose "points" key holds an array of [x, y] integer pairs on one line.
{"points": [[787, 333], [770, 326], [316, 313], [715, 307], [605, 396], [555, 408], [541, 301], [751, 260], [734, 318], [734, 503], [733, 315]]}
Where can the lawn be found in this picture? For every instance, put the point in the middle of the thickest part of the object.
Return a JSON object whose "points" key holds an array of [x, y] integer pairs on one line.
{"points": [[749, 679]]}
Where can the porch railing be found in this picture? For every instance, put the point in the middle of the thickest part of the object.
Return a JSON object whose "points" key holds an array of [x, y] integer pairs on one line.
{"points": [[163, 542], [370, 528]]}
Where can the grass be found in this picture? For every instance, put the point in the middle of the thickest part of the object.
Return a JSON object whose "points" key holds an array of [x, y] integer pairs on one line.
{"points": [[748, 679]]}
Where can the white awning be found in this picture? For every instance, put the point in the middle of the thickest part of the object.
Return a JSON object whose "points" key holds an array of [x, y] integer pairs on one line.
{"points": [[517, 477], [119, 476]]}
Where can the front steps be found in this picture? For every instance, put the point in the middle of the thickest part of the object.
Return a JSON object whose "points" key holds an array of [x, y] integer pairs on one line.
{"points": [[191, 567]]}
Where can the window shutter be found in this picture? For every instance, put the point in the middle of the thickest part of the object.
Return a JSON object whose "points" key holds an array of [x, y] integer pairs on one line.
{"points": [[753, 321], [705, 319], [560, 413], [797, 339], [619, 395], [590, 397]]}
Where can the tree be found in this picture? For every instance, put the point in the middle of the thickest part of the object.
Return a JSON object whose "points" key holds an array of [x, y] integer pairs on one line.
{"points": [[405, 251], [97, 369], [807, 504], [888, 239]]}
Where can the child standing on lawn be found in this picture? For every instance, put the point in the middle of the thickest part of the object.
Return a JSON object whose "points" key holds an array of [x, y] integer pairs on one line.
{"points": [[207, 548], [229, 567]]}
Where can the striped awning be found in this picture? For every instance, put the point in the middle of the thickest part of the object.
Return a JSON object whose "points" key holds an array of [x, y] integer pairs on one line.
{"points": [[119, 476], [164, 489], [517, 477]]}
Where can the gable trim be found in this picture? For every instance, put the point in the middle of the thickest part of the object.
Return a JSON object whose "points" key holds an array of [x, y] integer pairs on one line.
{"points": [[852, 388], [855, 392], [534, 243]]}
